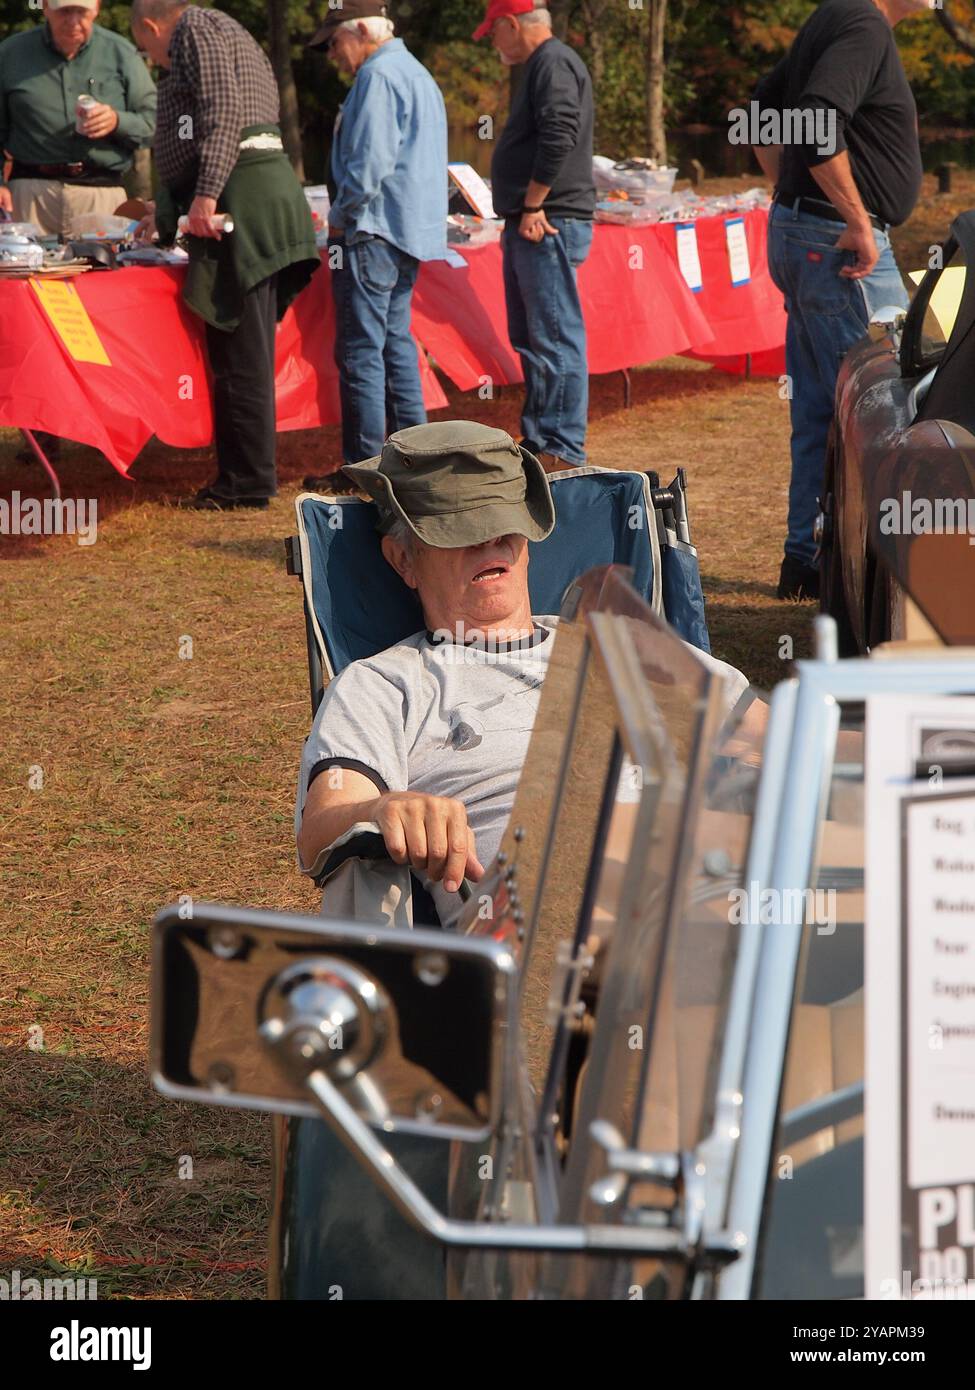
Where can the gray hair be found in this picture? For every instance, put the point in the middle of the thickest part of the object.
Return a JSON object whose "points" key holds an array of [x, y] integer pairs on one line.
{"points": [[157, 10], [377, 26], [541, 14], [401, 534]]}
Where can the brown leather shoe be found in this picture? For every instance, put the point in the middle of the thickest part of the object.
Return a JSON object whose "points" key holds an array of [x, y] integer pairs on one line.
{"points": [[552, 463]]}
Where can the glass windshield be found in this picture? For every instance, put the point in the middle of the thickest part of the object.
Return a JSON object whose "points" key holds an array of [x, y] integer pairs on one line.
{"points": [[812, 1245], [677, 1110], [942, 294]]}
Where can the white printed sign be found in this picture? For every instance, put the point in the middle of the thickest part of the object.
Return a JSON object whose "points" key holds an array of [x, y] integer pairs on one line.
{"points": [[474, 189], [939, 942], [919, 972], [741, 270], [687, 255]]}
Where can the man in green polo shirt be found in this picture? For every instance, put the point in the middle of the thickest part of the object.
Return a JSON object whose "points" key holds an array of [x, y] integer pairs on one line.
{"points": [[59, 171]]}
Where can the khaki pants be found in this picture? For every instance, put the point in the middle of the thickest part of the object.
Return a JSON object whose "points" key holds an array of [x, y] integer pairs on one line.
{"points": [[53, 205]]}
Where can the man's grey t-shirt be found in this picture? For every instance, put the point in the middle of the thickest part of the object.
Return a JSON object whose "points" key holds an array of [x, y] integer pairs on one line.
{"points": [[440, 718], [448, 720]]}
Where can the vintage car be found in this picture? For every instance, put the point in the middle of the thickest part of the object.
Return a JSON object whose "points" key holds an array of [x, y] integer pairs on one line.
{"points": [[637, 1070], [902, 453]]}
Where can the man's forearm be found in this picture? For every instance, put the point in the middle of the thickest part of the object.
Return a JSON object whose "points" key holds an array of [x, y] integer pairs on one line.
{"points": [[322, 826], [770, 160], [835, 178], [536, 193]]}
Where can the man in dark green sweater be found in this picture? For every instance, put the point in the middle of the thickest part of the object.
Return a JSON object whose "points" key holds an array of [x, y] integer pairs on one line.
{"points": [[218, 149], [61, 169]]}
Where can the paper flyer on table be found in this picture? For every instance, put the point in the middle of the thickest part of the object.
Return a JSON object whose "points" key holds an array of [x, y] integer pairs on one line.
{"points": [[474, 189], [687, 256], [741, 271]]}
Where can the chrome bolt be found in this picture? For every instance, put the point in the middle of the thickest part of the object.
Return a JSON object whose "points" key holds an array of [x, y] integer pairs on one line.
{"points": [[432, 967], [224, 942]]}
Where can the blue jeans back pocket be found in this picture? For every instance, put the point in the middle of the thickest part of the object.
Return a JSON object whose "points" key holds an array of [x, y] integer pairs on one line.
{"points": [[818, 283], [378, 264]]}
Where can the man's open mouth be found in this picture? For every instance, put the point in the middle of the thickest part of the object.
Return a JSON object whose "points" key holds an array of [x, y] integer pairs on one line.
{"points": [[490, 572]]}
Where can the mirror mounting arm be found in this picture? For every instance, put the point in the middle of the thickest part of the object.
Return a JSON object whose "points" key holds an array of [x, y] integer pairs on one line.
{"points": [[366, 1147]]}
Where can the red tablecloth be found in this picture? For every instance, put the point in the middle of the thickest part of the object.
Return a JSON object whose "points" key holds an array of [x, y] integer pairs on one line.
{"points": [[636, 303], [158, 382], [637, 306]]}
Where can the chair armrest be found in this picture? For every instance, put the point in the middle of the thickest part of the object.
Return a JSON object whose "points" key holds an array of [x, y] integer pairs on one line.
{"points": [[364, 840]]}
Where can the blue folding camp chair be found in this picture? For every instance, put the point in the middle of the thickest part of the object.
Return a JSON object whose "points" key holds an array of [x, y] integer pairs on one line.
{"points": [[355, 606]]}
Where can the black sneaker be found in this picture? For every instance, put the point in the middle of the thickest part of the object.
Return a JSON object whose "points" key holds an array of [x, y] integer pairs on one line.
{"points": [[531, 445], [797, 579], [323, 482], [208, 501]]}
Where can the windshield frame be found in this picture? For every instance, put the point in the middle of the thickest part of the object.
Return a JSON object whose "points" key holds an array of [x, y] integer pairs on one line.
{"points": [[800, 753]]}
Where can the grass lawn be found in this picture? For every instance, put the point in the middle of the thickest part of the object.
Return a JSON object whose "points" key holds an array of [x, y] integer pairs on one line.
{"points": [[163, 775]]}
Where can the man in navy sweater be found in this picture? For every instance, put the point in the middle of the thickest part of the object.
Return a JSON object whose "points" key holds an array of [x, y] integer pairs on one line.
{"points": [[542, 186]]}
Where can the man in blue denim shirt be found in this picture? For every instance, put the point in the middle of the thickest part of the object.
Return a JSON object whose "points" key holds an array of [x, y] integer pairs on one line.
{"points": [[542, 186], [389, 165], [837, 196]]}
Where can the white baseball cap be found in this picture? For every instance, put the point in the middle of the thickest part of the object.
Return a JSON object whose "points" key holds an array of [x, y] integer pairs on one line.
{"points": [[66, 4]]}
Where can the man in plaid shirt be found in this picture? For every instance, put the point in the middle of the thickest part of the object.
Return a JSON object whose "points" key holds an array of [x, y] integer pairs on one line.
{"points": [[218, 143]]}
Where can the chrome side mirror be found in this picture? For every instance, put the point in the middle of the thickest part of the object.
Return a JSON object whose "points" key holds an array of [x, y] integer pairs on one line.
{"points": [[250, 1009], [887, 320]]}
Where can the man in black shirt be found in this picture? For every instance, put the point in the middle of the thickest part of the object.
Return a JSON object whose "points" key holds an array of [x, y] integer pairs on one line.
{"points": [[542, 186], [835, 201]]}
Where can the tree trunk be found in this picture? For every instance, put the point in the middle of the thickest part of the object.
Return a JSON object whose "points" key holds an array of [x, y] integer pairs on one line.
{"points": [[962, 33], [592, 15], [141, 179], [559, 10], [280, 43], [656, 133]]}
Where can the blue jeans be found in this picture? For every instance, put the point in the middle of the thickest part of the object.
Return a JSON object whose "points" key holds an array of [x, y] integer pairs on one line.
{"points": [[547, 331], [827, 315], [379, 372]]}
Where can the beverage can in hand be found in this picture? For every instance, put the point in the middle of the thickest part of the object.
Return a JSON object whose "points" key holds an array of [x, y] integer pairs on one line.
{"points": [[220, 222], [82, 107]]}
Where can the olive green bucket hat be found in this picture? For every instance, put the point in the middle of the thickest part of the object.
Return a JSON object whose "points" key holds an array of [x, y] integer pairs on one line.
{"points": [[458, 483]]}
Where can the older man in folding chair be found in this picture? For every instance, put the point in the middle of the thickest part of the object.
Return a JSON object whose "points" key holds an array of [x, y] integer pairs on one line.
{"points": [[427, 739]]}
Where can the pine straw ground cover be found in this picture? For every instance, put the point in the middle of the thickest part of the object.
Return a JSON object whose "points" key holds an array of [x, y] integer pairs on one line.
{"points": [[164, 776]]}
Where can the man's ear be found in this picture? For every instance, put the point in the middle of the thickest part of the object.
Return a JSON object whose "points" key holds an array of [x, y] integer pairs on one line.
{"points": [[399, 557]]}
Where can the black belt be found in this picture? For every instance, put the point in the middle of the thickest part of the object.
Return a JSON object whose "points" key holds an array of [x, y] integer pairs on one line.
{"points": [[79, 172], [818, 207]]}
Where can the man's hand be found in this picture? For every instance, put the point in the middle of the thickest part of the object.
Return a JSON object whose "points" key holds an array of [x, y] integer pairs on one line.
{"points": [[100, 121], [6, 200], [198, 218], [535, 226], [431, 834], [146, 229], [859, 237], [835, 178]]}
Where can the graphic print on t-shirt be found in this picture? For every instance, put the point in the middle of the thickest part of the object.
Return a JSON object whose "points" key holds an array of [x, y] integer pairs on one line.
{"points": [[510, 713]]}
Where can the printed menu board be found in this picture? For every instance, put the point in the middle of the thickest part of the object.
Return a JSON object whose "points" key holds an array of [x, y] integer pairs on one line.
{"points": [[938, 1008], [919, 971]]}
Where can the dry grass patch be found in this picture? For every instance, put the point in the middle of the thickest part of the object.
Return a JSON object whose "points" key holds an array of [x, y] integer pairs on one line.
{"points": [[164, 776]]}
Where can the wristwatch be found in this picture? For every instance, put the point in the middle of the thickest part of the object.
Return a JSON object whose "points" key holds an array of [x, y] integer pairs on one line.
{"points": [[526, 208]]}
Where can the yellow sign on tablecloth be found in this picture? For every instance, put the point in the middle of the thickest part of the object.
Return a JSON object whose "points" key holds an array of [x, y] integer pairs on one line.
{"points": [[63, 306]]}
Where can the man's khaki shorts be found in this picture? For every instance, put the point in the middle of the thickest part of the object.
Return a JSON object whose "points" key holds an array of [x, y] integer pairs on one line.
{"points": [[53, 206]]}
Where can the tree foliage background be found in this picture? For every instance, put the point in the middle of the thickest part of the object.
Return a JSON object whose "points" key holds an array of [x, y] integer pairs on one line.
{"points": [[715, 52]]}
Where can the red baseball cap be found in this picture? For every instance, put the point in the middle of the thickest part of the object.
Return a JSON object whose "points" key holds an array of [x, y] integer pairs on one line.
{"points": [[497, 9]]}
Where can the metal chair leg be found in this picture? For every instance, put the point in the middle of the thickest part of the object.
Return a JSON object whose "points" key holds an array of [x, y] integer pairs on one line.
{"points": [[44, 461]]}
